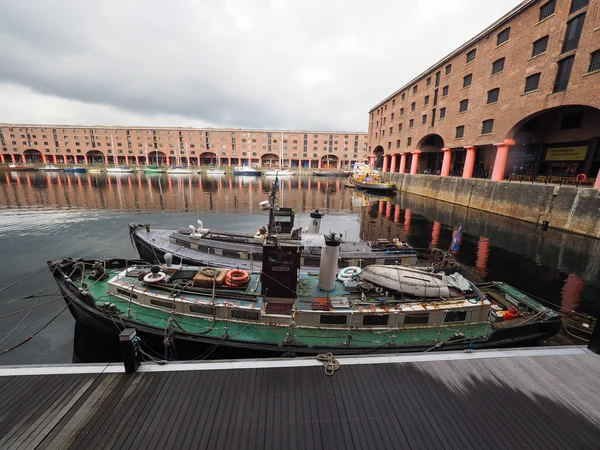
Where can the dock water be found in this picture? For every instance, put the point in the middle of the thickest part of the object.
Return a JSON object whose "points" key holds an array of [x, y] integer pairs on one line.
{"points": [[531, 398]]}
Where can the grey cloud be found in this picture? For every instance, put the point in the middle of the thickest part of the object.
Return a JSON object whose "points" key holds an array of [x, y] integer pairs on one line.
{"points": [[276, 64]]}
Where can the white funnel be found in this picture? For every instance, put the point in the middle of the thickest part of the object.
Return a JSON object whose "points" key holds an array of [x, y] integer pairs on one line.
{"points": [[329, 262], [315, 222]]}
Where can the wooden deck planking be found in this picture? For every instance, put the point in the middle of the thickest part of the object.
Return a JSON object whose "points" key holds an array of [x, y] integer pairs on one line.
{"points": [[525, 401]]}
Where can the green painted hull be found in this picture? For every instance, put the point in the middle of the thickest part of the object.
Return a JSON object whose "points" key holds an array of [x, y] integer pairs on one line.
{"points": [[193, 336]]}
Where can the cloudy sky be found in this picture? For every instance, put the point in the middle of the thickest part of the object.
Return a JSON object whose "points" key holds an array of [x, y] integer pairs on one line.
{"points": [[304, 64]]}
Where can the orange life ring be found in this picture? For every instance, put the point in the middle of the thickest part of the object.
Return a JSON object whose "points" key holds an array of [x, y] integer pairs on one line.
{"points": [[236, 277], [581, 178]]}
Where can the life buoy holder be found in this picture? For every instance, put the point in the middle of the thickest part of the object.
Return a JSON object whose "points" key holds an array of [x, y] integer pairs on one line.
{"points": [[155, 278], [347, 273], [236, 277], [581, 178]]}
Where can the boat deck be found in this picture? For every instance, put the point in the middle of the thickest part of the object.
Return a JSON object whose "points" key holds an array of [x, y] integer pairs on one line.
{"points": [[546, 398]]}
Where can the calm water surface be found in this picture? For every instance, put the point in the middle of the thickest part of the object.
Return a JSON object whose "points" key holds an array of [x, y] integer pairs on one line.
{"points": [[47, 216]]}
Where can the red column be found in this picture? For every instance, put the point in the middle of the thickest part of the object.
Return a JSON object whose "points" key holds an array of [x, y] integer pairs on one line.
{"points": [[500, 161], [597, 183], [3, 158], [44, 158], [446, 162], [339, 163], [137, 160], [403, 163], [87, 161], [414, 165], [320, 163], [106, 159], [469, 162], [385, 164], [393, 165]]}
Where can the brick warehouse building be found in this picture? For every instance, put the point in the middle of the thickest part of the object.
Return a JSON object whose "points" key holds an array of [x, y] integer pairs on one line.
{"points": [[61, 144], [523, 96]]}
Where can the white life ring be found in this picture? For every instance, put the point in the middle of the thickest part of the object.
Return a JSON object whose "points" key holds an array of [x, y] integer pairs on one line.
{"points": [[347, 273], [150, 278]]}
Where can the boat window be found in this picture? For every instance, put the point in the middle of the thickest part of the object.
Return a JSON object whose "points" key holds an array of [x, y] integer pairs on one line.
{"points": [[375, 320], [168, 305], [244, 315], [333, 319], [455, 316], [126, 293], [416, 319], [199, 309]]}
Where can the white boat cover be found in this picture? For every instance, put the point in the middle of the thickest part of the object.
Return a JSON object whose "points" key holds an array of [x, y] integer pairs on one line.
{"points": [[406, 280]]}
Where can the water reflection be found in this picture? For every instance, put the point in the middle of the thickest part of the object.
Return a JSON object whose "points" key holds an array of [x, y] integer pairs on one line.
{"points": [[560, 267]]}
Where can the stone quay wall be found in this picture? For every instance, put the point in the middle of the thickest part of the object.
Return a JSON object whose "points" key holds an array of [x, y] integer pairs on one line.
{"points": [[567, 208]]}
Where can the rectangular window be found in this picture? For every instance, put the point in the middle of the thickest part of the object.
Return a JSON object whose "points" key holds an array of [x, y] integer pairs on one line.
{"points": [[576, 5], [540, 46], [426, 99], [448, 69], [126, 293], [460, 131], [498, 66], [563, 74], [413, 105], [161, 303], [471, 55], [391, 130], [503, 36], [455, 316], [398, 143], [464, 105], [532, 82], [493, 95], [594, 61], [573, 33], [409, 141], [547, 9], [333, 319], [199, 309], [400, 127], [415, 89], [373, 320], [394, 102], [244, 315], [467, 80], [391, 118], [411, 123], [442, 113], [424, 118], [401, 111], [445, 91], [429, 81], [416, 319], [487, 126], [403, 95]]}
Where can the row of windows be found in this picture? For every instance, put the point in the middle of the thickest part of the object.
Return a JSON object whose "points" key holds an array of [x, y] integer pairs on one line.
{"points": [[570, 42]]}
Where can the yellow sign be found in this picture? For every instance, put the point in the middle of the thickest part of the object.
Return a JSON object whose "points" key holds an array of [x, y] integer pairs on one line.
{"points": [[566, 154]]}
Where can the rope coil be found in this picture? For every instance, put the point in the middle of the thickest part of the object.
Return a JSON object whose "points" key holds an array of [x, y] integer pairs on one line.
{"points": [[330, 364]]}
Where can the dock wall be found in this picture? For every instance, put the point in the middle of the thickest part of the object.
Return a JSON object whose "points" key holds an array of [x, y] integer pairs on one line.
{"points": [[566, 208]]}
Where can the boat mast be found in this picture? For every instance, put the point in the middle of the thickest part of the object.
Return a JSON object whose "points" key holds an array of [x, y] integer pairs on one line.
{"points": [[272, 199], [187, 155], [112, 145]]}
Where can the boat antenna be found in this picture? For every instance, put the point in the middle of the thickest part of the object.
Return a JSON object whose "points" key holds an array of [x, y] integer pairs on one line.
{"points": [[272, 198]]}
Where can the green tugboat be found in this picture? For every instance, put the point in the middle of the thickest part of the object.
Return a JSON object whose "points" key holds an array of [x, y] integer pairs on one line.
{"points": [[187, 312]]}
